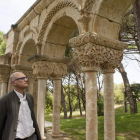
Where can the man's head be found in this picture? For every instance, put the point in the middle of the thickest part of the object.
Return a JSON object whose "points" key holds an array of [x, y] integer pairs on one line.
{"points": [[19, 80]]}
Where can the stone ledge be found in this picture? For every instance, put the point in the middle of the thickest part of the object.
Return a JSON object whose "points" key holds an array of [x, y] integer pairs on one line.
{"points": [[92, 37], [21, 67], [36, 58]]}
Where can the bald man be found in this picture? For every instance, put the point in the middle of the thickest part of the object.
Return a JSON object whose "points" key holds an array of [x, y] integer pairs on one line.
{"points": [[17, 119]]}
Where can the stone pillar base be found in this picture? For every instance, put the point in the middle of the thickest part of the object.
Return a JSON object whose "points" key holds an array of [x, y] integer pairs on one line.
{"points": [[55, 136], [44, 138]]}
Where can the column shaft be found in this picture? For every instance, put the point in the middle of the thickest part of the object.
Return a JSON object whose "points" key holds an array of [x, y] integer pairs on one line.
{"points": [[91, 106], [56, 108], [109, 118], [31, 88], [41, 106], [3, 88]]}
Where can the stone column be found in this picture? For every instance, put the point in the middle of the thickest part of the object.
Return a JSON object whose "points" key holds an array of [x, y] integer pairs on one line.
{"points": [[41, 106], [59, 70], [4, 86], [4, 77], [41, 71], [109, 116], [56, 108], [31, 84], [91, 105]]}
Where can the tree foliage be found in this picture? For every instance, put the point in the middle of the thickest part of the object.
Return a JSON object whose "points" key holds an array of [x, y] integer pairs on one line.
{"points": [[2, 44]]}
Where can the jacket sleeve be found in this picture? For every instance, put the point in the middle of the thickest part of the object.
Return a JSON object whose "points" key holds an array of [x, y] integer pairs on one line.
{"points": [[2, 116]]}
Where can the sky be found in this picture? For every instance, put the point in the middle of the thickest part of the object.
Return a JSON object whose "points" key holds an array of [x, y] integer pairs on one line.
{"points": [[12, 10]]}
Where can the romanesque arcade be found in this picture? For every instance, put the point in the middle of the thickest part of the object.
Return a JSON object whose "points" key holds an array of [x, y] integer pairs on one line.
{"points": [[36, 46]]}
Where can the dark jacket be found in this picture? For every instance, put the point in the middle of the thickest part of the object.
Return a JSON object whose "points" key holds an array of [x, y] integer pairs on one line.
{"points": [[9, 109]]}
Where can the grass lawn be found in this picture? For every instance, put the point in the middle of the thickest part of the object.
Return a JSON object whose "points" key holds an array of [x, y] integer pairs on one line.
{"points": [[127, 125]]}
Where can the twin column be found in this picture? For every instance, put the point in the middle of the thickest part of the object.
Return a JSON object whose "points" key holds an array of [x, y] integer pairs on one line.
{"points": [[91, 106], [43, 70]]}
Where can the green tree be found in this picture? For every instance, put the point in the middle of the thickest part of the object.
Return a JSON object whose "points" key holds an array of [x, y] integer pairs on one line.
{"points": [[2, 44], [118, 94], [135, 88]]}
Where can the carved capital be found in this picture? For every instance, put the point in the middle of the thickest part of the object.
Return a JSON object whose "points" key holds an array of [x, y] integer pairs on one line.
{"points": [[93, 51], [44, 69], [92, 55], [59, 70], [4, 73]]}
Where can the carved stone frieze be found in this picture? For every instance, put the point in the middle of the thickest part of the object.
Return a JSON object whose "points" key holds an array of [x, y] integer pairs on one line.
{"points": [[4, 73], [52, 13], [44, 69], [98, 40]]}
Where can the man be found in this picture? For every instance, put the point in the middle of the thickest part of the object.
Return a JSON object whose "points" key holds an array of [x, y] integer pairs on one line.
{"points": [[17, 119]]}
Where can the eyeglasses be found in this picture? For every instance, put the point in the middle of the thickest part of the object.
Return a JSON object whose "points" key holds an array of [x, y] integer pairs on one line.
{"points": [[21, 78]]}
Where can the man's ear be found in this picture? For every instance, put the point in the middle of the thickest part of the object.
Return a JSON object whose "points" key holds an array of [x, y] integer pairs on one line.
{"points": [[13, 83]]}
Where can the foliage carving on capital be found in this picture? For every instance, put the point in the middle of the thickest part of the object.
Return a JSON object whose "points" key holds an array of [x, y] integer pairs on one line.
{"points": [[4, 73], [92, 55], [44, 69], [59, 71]]}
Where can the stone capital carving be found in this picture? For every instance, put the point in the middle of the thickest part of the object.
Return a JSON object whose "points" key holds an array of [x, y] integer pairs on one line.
{"points": [[4, 73], [44, 69], [93, 52]]}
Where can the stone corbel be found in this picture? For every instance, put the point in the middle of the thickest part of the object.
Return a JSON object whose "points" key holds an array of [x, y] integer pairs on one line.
{"points": [[84, 20], [15, 28]]}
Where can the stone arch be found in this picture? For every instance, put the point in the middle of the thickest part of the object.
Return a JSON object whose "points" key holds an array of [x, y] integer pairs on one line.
{"points": [[27, 49], [108, 16], [57, 5], [59, 30]]}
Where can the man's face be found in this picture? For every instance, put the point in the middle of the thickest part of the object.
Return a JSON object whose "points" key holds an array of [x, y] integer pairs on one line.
{"points": [[19, 80]]}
